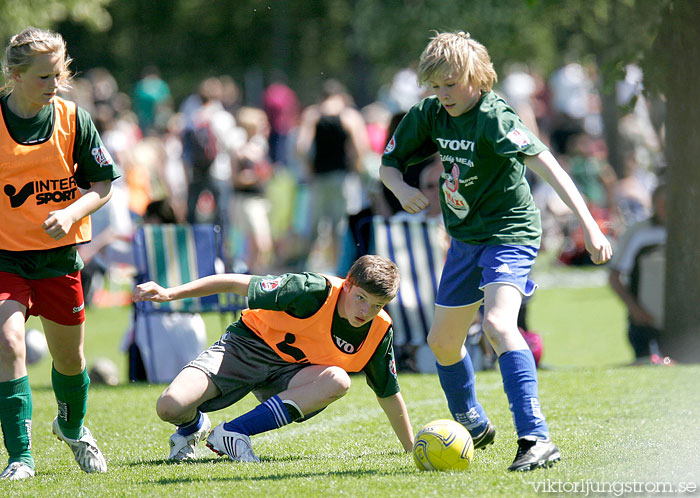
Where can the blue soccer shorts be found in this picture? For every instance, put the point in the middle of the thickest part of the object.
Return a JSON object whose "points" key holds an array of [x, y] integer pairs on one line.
{"points": [[471, 267]]}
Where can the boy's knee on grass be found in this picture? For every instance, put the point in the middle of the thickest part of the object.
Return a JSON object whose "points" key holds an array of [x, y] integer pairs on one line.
{"points": [[170, 410], [338, 382]]}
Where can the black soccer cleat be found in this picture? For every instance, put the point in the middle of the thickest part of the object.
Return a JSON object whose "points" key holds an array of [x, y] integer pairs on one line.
{"points": [[486, 437], [533, 453]]}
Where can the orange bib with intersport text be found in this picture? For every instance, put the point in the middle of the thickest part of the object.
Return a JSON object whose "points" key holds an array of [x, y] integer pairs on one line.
{"points": [[309, 340], [36, 179]]}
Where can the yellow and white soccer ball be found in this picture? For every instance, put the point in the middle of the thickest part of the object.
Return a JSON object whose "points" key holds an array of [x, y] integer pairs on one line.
{"points": [[443, 445]]}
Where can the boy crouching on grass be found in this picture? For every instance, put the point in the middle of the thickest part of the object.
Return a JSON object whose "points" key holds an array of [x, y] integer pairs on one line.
{"points": [[293, 348]]}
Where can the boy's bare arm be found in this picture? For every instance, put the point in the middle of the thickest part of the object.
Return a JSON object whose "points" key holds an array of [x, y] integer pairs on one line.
{"points": [[411, 198], [546, 166], [395, 410], [638, 314], [235, 283]]}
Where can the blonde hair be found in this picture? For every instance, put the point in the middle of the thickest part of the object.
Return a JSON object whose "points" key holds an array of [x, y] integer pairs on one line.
{"points": [[458, 55], [25, 45]]}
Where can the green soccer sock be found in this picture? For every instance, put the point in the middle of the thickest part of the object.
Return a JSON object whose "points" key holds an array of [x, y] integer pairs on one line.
{"points": [[71, 395], [16, 419]]}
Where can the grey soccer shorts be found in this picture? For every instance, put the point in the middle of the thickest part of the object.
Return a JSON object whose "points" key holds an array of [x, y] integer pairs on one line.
{"points": [[238, 364]]}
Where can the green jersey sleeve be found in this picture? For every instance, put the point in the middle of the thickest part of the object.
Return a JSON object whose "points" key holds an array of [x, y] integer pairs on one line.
{"points": [[299, 294], [507, 134], [380, 371], [412, 141], [95, 164]]}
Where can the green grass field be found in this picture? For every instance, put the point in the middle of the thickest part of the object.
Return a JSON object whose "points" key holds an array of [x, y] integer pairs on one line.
{"points": [[615, 425]]}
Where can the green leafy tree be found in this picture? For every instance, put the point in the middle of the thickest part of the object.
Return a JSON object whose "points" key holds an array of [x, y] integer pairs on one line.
{"points": [[18, 14], [599, 31], [364, 42], [672, 68], [663, 37], [360, 42]]}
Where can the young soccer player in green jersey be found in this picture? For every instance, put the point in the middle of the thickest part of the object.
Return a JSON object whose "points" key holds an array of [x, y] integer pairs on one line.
{"points": [[292, 348], [49, 148], [495, 227]]}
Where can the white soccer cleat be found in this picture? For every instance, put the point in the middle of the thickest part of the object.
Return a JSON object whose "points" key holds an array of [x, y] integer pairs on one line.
{"points": [[236, 446], [16, 471], [183, 447], [87, 454]]}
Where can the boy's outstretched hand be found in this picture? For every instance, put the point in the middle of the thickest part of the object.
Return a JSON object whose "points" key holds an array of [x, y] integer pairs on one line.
{"points": [[151, 291]]}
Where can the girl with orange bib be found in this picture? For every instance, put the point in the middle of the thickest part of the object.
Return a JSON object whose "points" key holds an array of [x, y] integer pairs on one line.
{"points": [[54, 172]]}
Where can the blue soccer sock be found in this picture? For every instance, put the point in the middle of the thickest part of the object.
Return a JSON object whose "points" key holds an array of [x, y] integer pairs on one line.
{"points": [[457, 382], [272, 414], [520, 385], [191, 427]]}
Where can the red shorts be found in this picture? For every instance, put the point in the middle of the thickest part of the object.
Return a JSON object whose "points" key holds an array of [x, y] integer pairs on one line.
{"points": [[60, 299]]}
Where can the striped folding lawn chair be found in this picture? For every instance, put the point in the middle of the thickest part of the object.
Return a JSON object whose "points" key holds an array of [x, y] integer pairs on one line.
{"points": [[416, 246], [170, 255]]}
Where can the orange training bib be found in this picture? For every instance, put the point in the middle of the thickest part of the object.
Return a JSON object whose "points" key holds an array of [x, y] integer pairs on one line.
{"points": [[37, 179], [309, 340]]}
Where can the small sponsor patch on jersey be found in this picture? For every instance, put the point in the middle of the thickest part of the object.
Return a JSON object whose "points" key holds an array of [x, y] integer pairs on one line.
{"points": [[101, 156], [78, 309], [390, 146], [518, 137], [392, 367], [270, 285]]}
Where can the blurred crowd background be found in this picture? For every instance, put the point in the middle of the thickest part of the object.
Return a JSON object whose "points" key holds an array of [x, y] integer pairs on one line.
{"points": [[269, 118], [284, 179]]}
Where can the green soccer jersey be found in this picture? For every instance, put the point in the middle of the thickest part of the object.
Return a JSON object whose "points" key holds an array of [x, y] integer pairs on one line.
{"points": [[484, 195], [94, 165], [301, 295]]}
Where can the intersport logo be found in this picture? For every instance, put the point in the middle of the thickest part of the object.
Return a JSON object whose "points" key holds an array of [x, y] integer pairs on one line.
{"points": [[45, 191]]}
